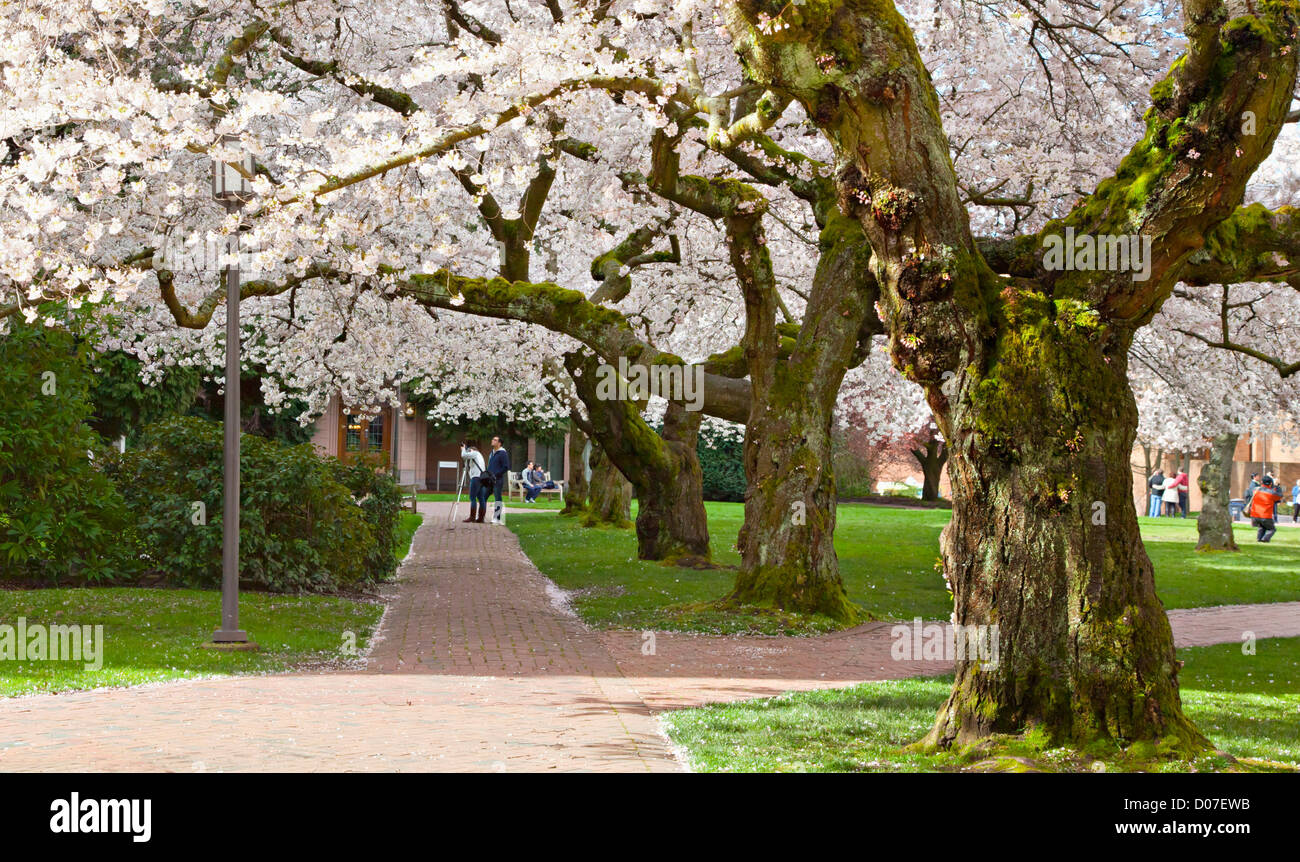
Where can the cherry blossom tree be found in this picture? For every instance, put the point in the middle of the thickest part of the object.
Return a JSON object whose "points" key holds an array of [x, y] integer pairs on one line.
{"points": [[846, 169], [1038, 411], [1192, 394]]}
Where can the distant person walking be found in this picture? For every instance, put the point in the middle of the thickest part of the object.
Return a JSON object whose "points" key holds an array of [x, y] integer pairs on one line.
{"points": [[473, 461], [1184, 486], [498, 466], [1155, 487], [1260, 508], [1295, 502]]}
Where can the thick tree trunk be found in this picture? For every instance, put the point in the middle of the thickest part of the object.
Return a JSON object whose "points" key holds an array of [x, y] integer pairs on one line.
{"points": [[931, 458], [671, 524], [611, 493], [664, 470], [788, 555], [1214, 523], [575, 493], [787, 546], [1044, 545]]}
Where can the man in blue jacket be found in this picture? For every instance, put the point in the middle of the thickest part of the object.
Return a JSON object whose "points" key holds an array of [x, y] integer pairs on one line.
{"points": [[498, 465]]}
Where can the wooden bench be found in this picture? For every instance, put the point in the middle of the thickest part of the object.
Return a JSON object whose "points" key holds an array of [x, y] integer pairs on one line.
{"points": [[517, 486], [410, 496]]}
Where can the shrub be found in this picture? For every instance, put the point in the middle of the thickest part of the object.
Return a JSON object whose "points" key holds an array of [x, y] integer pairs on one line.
{"points": [[381, 506], [723, 465], [60, 516], [307, 521]]}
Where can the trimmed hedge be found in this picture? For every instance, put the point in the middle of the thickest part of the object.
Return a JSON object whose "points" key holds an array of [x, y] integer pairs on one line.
{"points": [[307, 522]]}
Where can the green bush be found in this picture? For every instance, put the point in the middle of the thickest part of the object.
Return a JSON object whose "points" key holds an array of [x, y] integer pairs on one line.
{"points": [[60, 516], [123, 404], [722, 462], [381, 506], [307, 521]]}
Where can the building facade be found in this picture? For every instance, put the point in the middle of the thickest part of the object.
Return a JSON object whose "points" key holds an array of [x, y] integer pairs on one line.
{"points": [[419, 454], [1262, 454]]}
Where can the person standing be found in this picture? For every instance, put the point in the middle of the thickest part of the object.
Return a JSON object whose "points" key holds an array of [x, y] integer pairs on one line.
{"points": [[1184, 485], [1260, 508], [1295, 502], [473, 461], [1170, 496], [498, 465], [1155, 486]]}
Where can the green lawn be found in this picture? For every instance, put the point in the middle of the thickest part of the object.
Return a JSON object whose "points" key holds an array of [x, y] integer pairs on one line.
{"points": [[1247, 705], [152, 635], [1257, 573], [887, 558]]}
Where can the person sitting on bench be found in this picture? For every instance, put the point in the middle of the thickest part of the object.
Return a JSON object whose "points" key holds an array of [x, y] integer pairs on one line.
{"points": [[534, 482]]}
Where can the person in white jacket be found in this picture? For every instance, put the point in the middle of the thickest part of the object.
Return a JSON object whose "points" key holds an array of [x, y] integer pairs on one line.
{"points": [[1170, 496], [473, 461]]}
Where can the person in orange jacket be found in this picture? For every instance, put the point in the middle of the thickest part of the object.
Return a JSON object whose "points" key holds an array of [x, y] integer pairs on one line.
{"points": [[1260, 508]]}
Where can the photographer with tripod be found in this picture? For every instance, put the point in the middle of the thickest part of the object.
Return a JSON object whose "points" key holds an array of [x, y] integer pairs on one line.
{"points": [[474, 467]]}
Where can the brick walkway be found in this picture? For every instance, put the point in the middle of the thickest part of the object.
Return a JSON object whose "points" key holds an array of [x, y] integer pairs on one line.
{"points": [[478, 667], [475, 670], [689, 670]]}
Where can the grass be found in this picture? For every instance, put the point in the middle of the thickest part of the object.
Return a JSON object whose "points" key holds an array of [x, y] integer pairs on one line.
{"points": [[1257, 573], [153, 634], [887, 559], [1246, 705], [406, 527]]}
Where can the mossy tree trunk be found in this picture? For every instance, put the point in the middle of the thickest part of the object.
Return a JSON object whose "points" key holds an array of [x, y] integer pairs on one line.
{"points": [[931, 459], [1044, 545], [663, 468], [671, 523], [575, 493], [1026, 372], [787, 546], [611, 493], [1214, 522]]}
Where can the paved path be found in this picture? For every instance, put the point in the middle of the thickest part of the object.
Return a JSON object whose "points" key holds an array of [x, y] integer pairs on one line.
{"points": [[478, 667], [689, 670]]}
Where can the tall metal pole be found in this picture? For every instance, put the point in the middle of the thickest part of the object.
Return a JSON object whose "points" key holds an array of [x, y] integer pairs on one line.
{"points": [[230, 631]]}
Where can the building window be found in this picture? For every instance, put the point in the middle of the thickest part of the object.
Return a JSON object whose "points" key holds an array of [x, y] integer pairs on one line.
{"points": [[353, 426], [361, 434]]}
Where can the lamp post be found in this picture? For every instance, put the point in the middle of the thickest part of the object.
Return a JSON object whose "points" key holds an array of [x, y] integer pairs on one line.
{"points": [[232, 188]]}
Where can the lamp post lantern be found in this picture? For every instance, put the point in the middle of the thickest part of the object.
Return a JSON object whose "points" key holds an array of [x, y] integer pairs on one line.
{"points": [[232, 187]]}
